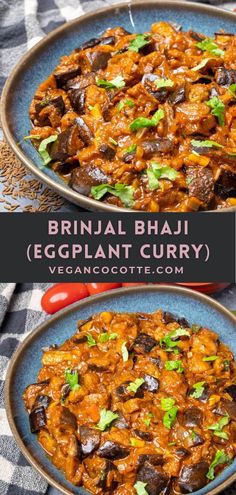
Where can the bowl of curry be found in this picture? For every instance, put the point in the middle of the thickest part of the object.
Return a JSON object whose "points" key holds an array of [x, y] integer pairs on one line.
{"points": [[133, 402], [140, 118]]}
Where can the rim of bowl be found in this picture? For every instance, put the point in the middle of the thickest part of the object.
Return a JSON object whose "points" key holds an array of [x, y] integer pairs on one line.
{"points": [[61, 189], [76, 307]]}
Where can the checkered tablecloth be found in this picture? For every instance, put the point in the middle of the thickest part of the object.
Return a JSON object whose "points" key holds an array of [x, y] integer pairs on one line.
{"points": [[20, 313]]}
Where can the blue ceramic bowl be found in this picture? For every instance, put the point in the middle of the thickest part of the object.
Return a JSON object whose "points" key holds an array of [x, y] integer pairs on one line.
{"points": [[41, 60], [24, 367]]}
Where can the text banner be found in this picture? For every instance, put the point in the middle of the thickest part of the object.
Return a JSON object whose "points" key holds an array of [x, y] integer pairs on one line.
{"points": [[117, 247]]}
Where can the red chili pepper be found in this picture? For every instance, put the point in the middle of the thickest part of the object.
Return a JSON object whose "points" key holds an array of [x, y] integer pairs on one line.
{"points": [[126, 284], [95, 288], [61, 295]]}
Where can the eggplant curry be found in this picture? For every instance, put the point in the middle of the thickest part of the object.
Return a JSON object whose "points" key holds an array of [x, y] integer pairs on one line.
{"points": [[143, 121], [137, 404]]}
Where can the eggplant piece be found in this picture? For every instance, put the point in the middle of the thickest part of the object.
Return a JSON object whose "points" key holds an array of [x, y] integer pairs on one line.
{"points": [[197, 440], [77, 99], [108, 40], [225, 186], [151, 383], [89, 44], [120, 422], [90, 440], [42, 401], [148, 82], [158, 145], [153, 459], [80, 340], [213, 92], [226, 407], [57, 102], [37, 419], [178, 96], [196, 36], [85, 133], [225, 77], [83, 178], [67, 419], [81, 82], [63, 76], [113, 451], [74, 448], [170, 318], [108, 152], [200, 183], [65, 390], [156, 361], [183, 322], [231, 390], [144, 343], [124, 395], [65, 145], [144, 435], [182, 453], [192, 417], [193, 477], [103, 481], [154, 477], [66, 167], [128, 157], [98, 60]]}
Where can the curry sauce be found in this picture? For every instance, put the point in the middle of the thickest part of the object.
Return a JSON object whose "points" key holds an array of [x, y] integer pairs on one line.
{"points": [[137, 403]]}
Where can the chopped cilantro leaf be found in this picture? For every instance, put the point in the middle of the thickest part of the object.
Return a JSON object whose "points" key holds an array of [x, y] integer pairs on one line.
{"points": [[220, 458], [91, 341], [106, 418], [198, 390], [157, 172], [200, 65], [122, 191], [140, 488], [209, 45], [142, 122], [208, 143], [174, 366], [124, 352], [134, 386], [104, 337], [218, 109], [118, 83], [210, 358], [72, 378], [164, 83], [139, 42]]}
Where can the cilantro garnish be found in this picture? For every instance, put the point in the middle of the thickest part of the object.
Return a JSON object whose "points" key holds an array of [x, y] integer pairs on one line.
{"points": [[208, 143], [157, 172], [91, 341], [218, 109], [122, 191], [210, 358], [142, 122], [139, 42], [164, 83], [198, 390], [124, 103], [104, 337], [169, 418], [209, 45], [118, 83], [232, 90], [72, 378], [220, 458], [218, 427], [140, 488], [174, 366], [106, 418], [134, 386]]}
